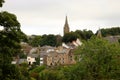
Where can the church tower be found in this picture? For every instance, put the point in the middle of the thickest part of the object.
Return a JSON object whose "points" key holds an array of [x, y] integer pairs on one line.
{"points": [[66, 26], [99, 34]]}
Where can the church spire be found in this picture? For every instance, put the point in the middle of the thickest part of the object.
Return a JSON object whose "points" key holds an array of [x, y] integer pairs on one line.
{"points": [[99, 34], [66, 26], [66, 21]]}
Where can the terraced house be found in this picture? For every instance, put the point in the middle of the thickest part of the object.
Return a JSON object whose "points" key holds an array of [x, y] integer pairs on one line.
{"points": [[61, 56]]}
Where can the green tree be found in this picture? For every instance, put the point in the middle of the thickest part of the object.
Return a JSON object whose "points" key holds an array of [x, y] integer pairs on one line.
{"points": [[24, 71], [99, 60], [58, 40], [24, 37], [10, 72], [34, 73], [51, 75], [69, 37], [9, 42], [37, 60], [22, 55], [35, 41], [1, 3], [73, 72], [48, 40], [85, 35], [10, 38], [110, 31]]}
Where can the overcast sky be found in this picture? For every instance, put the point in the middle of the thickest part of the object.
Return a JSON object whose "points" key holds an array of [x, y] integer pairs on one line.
{"points": [[48, 16]]}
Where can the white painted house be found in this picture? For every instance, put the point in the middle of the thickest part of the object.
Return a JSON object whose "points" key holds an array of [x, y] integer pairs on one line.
{"points": [[34, 53], [30, 60]]}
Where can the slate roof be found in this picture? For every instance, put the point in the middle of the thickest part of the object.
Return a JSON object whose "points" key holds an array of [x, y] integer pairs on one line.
{"points": [[22, 61], [112, 38]]}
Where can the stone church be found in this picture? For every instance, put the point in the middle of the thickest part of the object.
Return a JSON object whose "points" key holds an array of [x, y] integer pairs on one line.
{"points": [[66, 26]]}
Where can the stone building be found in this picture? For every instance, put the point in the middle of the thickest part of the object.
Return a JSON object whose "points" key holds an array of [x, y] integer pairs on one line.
{"points": [[44, 51], [61, 56]]}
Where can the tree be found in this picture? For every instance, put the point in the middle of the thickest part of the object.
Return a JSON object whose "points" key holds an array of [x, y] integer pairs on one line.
{"points": [[51, 75], [73, 72], [85, 35], [24, 71], [10, 38], [34, 73], [1, 3], [48, 40], [35, 41], [37, 60], [10, 35], [10, 72], [9, 43], [43, 40], [99, 60], [110, 31], [58, 40], [69, 37]]}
